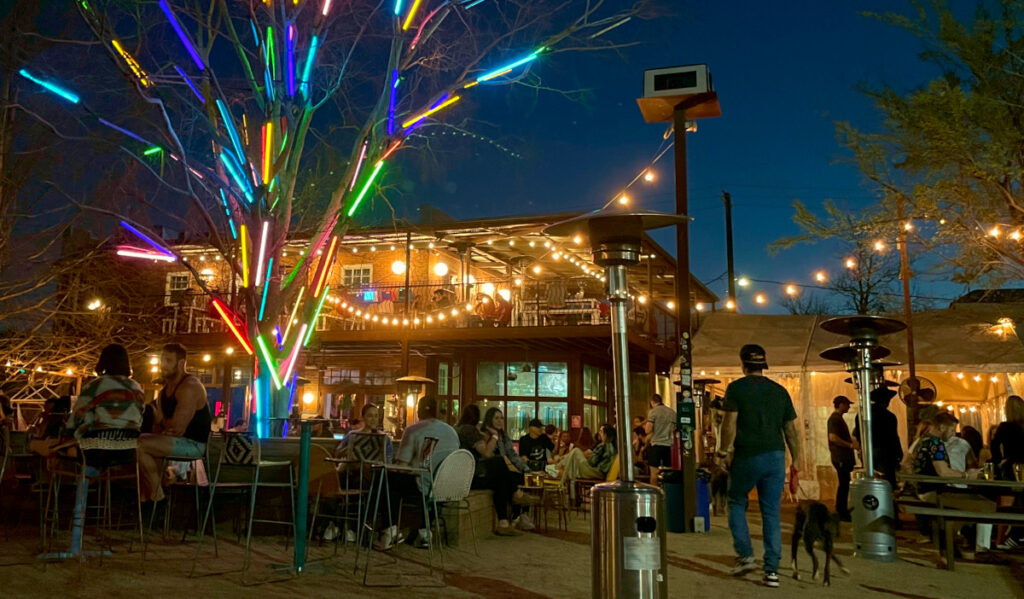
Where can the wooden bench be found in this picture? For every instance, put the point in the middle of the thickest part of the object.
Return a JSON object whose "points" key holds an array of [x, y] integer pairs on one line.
{"points": [[950, 518]]}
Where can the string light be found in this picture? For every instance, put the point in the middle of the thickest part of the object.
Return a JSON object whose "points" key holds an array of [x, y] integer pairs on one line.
{"points": [[908, 226], [879, 246], [743, 282], [820, 276], [649, 175], [791, 290], [623, 199], [1015, 235], [850, 263], [760, 299], [994, 232]]}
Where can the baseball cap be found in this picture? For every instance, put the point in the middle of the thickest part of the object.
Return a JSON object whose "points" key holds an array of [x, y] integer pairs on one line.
{"points": [[838, 399], [753, 355], [537, 423]]}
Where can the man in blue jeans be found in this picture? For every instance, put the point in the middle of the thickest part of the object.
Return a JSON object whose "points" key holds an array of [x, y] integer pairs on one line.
{"points": [[759, 424]]}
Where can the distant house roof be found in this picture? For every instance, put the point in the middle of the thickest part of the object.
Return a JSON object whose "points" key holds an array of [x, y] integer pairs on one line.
{"points": [[992, 296]]}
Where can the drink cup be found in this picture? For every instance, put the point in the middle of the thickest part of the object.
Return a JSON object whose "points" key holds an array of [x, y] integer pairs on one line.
{"points": [[988, 471], [1018, 472]]}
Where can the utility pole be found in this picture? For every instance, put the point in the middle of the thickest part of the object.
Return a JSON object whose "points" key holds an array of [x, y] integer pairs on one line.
{"points": [[730, 265], [905, 274]]}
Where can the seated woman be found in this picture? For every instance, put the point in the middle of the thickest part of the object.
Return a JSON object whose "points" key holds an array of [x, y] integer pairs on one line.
{"points": [[494, 455], [591, 463], [563, 445]]}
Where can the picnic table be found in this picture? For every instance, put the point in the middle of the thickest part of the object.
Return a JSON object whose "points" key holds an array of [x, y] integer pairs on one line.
{"points": [[949, 516]]}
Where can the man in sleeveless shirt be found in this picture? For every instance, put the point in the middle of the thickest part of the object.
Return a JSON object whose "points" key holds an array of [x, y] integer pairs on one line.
{"points": [[181, 423]]}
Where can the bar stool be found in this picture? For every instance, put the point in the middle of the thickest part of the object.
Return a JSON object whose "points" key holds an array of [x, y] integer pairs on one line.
{"points": [[243, 450], [193, 463]]}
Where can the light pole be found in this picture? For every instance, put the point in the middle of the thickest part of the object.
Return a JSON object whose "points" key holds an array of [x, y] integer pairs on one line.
{"points": [[681, 94]]}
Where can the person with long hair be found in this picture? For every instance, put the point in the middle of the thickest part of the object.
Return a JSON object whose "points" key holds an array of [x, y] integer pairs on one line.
{"points": [[494, 462], [112, 401], [594, 463], [584, 439], [563, 445]]}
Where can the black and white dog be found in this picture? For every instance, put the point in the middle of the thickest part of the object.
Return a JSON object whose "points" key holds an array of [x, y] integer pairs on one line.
{"points": [[814, 523]]}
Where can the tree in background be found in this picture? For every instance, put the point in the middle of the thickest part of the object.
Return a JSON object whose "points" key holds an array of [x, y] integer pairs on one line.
{"points": [[261, 122], [950, 155]]}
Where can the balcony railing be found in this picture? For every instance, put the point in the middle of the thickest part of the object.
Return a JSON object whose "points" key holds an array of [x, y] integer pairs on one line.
{"points": [[379, 307]]}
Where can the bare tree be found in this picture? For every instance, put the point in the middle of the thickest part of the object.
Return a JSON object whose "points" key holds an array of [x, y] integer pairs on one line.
{"points": [[263, 118]]}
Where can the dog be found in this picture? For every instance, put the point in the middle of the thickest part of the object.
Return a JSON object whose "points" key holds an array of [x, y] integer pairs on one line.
{"points": [[815, 523]]}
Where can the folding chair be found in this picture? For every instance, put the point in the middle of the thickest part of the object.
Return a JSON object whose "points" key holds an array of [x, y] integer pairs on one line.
{"points": [[452, 483]]}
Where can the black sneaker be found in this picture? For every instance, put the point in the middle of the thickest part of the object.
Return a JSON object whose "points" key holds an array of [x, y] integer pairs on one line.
{"points": [[771, 579]]}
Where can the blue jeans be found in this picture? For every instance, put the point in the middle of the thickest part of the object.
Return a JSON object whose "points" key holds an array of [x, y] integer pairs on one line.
{"points": [[767, 472]]}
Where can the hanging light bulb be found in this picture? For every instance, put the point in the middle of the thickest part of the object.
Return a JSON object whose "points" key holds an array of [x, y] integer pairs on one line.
{"points": [[440, 269], [536, 269], [820, 276], [730, 304], [398, 267], [642, 299], [623, 199], [994, 232], [699, 306], [671, 305], [879, 246], [850, 263], [743, 282], [577, 239], [760, 298], [1015, 235], [648, 175], [791, 290]]}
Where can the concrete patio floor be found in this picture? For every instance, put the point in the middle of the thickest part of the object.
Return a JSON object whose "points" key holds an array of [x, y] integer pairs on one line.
{"points": [[531, 566]]}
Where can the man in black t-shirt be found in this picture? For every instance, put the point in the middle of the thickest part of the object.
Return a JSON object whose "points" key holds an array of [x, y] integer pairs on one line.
{"points": [[536, 447], [840, 446], [758, 425]]}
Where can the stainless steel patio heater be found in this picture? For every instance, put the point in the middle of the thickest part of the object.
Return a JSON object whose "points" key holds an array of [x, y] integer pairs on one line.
{"points": [[871, 498], [628, 518]]}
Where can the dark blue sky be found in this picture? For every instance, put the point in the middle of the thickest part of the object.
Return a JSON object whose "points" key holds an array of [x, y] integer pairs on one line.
{"points": [[784, 71]]}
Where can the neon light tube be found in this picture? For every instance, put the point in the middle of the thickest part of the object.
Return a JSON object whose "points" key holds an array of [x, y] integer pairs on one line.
{"points": [[327, 7], [227, 315], [266, 286], [181, 34], [132, 64], [295, 270], [191, 85], [51, 87], [316, 315], [433, 110], [325, 266], [470, 84], [392, 101], [398, 7], [394, 146], [158, 247], [310, 57], [232, 132], [412, 13], [262, 254], [271, 53], [231, 224], [295, 309], [239, 181], [125, 131], [294, 354], [269, 362], [268, 149], [255, 34], [277, 337], [359, 165], [245, 256], [130, 252], [153, 150], [289, 64], [507, 68], [366, 187]]}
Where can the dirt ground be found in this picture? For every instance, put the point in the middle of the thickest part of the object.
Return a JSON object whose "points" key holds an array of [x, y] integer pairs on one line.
{"points": [[553, 564]]}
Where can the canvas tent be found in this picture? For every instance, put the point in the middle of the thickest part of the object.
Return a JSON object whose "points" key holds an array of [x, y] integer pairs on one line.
{"points": [[971, 352]]}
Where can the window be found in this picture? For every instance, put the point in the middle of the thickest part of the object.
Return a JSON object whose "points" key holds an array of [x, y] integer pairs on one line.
{"points": [[521, 379], [205, 375], [443, 378], [553, 379], [177, 281], [379, 377], [356, 276], [341, 376], [554, 412], [490, 378], [517, 421], [594, 416], [595, 383]]}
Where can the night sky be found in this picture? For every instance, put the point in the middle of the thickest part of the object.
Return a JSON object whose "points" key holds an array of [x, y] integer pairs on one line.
{"points": [[784, 72]]}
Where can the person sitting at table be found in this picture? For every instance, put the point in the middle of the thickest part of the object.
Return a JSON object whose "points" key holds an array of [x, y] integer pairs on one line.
{"points": [[1008, 450], [552, 433], [110, 402], [563, 445], [492, 471], [593, 463], [413, 487], [536, 447], [369, 421]]}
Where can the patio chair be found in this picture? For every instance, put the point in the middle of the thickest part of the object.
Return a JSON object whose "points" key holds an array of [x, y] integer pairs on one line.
{"points": [[193, 463], [243, 450], [452, 482], [333, 484], [584, 485]]}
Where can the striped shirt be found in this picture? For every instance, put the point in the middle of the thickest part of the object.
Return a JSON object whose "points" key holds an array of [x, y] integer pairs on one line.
{"points": [[106, 403]]}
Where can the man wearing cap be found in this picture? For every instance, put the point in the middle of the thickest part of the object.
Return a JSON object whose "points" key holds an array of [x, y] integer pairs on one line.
{"points": [[841, 446], [885, 434], [759, 424]]}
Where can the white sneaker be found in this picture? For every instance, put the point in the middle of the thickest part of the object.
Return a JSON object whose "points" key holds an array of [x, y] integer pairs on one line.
{"points": [[423, 539], [331, 532], [387, 539], [350, 535], [524, 522]]}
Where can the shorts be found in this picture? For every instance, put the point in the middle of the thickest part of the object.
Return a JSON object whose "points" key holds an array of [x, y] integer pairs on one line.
{"points": [[187, 448], [659, 456]]}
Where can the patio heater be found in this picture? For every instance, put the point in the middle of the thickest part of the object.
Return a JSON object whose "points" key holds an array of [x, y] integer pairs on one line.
{"points": [[871, 498], [628, 523]]}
